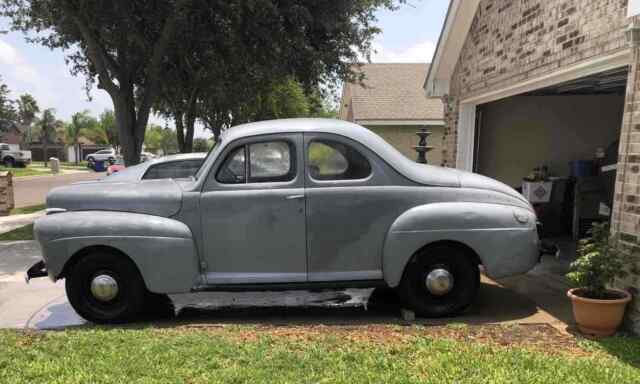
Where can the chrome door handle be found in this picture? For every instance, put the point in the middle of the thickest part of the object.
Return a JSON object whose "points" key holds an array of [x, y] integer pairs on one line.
{"points": [[295, 197]]}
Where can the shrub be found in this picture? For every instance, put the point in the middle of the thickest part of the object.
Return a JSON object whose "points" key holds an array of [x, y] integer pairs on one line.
{"points": [[600, 262]]}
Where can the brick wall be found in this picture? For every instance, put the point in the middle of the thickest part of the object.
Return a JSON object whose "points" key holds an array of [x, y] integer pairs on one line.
{"points": [[513, 40], [625, 221]]}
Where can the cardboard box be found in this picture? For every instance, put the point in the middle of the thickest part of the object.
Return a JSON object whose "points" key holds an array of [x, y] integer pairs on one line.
{"points": [[537, 191]]}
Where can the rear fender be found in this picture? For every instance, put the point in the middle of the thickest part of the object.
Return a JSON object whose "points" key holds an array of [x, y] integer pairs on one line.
{"points": [[505, 245], [163, 249]]}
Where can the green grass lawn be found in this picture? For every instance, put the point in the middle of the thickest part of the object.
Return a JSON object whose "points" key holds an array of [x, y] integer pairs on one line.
{"points": [[22, 233], [29, 209], [27, 171], [246, 354]]}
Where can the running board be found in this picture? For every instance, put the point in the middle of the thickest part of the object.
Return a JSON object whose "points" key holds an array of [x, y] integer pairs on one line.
{"points": [[302, 286]]}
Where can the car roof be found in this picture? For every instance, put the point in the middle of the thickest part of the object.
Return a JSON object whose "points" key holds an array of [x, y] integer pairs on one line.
{"points": [[335, 126], [421, 173]]}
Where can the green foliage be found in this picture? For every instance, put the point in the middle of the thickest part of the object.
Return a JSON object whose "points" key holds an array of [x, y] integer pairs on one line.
{"points": [[7, 109], [158, 139], [601, 260], [29, 209], [168, 355], [201, 145], [82, 125], [22, 233], [163, 53], [104, 130]]}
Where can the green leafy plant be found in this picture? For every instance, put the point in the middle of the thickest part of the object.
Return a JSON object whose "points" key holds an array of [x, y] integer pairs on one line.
{"points": [[600, 262]]}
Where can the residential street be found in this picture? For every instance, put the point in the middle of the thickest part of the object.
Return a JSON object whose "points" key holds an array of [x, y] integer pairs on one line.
{"points": [[29, 191]]}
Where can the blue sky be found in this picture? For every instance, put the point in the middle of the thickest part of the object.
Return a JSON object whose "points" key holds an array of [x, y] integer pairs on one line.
{"points": [[409, 35]]}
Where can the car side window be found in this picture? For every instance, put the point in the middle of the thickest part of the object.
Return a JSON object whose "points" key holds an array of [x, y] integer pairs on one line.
{"points": [[173, 170], [332, 160], [234, 167], [269, 161]]}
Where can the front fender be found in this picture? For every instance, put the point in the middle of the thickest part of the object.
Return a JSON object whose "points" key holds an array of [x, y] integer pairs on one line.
{"points": [[505, 245], [163, 249]]}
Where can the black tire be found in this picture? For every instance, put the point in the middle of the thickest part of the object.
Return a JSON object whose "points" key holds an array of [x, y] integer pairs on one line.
{"points": [[466, 281], [90, 159], [9, 162], [128, 302]]}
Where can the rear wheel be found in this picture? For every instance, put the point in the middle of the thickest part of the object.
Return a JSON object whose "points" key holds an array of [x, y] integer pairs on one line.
{"points": [[441, 280], [105, 287]]}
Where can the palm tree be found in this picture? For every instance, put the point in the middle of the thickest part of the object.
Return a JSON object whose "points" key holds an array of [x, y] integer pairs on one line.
{"points": [[27, 111], [48, 126], [81, 125]]}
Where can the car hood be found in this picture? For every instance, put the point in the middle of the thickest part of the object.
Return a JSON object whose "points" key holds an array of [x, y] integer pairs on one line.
{"points": [[153, 197], [476, 181], [451, 177]]}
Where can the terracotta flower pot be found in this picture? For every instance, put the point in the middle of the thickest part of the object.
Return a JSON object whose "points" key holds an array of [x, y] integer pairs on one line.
{"points": [[598, 317]]}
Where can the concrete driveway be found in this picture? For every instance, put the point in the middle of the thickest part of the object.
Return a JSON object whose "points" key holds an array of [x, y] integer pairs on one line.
{"points": [[538, 297], [32, 190]]}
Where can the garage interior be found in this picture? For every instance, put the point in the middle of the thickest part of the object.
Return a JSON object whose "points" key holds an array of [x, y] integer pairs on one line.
{"points": [[559, 147]]}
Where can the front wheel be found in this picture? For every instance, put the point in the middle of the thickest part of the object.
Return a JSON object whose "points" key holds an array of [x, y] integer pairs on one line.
{"points": [[441, 280], [105, 288], [9, 162]]}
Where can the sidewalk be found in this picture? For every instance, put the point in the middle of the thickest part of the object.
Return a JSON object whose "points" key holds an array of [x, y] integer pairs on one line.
{"points": [[9, 223]]}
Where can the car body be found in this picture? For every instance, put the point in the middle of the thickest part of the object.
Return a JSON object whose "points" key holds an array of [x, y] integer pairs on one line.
{"points": [[102, 155], [287, 204], [11, 155], [179, 166]]}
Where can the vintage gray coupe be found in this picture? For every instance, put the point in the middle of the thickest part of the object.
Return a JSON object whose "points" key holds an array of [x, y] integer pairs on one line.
{"points": [[287, 204]]}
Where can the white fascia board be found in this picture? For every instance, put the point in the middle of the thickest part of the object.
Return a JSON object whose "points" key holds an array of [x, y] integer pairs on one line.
{"points": [[380, 122], [454, 33]]}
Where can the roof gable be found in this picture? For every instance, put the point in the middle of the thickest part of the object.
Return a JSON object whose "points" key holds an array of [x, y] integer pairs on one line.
{"points": [[452, 38], [390, 91]]}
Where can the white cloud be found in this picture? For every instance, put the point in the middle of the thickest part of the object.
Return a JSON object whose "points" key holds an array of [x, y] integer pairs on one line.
{"points": [[8, 54], [420, 52]]}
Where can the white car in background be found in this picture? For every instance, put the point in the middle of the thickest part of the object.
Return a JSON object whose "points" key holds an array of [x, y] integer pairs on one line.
{"points": [[102, 155]]}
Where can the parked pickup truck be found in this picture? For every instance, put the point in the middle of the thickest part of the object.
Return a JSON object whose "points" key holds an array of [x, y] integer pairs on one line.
{"points": [[11, 155]]}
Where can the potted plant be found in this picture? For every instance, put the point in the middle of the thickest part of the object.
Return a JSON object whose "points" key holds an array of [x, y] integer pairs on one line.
{"points": [[599, 310]]}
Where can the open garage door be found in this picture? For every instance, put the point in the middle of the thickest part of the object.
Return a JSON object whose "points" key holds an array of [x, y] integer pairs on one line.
{"points": [[568, 131]]}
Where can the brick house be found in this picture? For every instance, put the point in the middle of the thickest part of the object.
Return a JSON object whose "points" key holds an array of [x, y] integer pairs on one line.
{"points": [[392, 103], [545, 82], [10, 133]]}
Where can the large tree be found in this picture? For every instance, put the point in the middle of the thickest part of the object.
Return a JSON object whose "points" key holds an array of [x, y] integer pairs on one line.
{"points": [[7, 109], [47, 128], [81, 125], [127, 47], [28, 110]]}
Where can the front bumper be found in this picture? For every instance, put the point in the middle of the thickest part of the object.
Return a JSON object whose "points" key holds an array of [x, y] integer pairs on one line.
{"points": [[38, 269]]}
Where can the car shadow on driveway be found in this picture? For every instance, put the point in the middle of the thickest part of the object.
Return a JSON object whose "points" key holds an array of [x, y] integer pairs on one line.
{"points": [[495, 304]]}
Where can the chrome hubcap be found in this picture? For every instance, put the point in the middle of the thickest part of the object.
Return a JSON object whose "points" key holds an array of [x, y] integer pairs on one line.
{"points": [[104, 287], [439, 282]]}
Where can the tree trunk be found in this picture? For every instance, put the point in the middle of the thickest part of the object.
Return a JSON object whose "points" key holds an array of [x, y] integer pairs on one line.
{"points": [[188, 140], [131, 129], [177, 116], [45, 147]]}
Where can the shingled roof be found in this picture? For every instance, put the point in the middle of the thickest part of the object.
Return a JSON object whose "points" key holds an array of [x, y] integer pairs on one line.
{"points": [[391, 92]]}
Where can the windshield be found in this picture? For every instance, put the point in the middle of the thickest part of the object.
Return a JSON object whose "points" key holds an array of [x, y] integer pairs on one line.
{"points": [[202, 167]]}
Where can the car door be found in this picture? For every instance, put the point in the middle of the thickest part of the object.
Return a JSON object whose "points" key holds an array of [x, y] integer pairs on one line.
{"points": [[350, 207], [253, 212]]}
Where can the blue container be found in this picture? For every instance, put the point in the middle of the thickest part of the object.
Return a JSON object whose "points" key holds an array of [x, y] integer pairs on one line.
{"points": [[582, 168], [99, 166]]}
